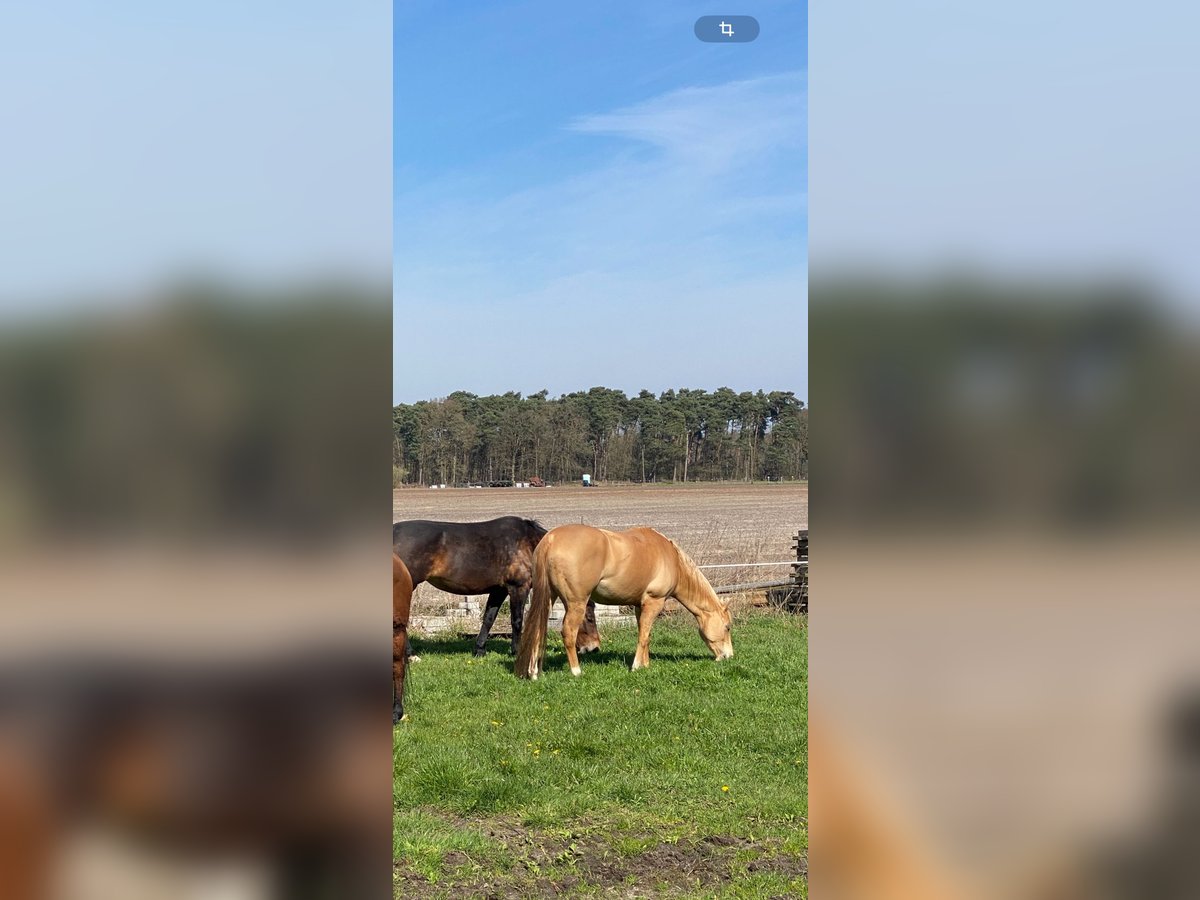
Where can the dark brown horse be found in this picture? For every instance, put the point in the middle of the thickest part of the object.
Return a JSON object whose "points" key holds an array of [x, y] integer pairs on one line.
{"points": [[402, 588], [493, 558], [280, 760]]}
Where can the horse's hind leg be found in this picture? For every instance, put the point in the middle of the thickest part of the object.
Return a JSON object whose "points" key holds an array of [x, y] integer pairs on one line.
{"points": [[516, 608], [495, 598]]}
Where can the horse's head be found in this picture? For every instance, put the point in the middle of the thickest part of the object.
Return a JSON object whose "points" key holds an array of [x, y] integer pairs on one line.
{"points": [[697, 595], [714, 628]]}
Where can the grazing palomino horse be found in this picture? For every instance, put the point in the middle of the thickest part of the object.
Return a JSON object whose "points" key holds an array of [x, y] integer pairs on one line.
{"points": [[402, 589], [638, 567], [493, 558]]}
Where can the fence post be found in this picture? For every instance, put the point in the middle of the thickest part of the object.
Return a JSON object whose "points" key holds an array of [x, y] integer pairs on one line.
{"points": [[800, 571]]}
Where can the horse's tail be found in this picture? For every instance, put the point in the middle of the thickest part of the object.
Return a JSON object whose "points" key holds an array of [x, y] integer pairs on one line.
{"points": [[532, 650]]}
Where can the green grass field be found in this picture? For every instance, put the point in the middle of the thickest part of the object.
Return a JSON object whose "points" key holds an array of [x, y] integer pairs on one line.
{"points": [[684, 780]]}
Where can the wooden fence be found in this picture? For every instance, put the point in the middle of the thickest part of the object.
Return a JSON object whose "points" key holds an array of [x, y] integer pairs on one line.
{"points": [[789, 593]]}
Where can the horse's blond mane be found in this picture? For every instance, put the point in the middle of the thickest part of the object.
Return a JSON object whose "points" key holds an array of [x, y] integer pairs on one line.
{"points": [[690, 573]]}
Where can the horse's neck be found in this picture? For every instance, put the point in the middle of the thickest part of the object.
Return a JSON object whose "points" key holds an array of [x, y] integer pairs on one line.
{"points": [[692, 588]]}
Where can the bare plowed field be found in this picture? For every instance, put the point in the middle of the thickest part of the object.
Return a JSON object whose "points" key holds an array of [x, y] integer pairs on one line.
{"points": [[715, 523]]}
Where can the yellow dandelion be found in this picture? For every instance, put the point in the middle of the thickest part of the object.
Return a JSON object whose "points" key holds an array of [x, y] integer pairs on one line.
{"points": [[725, 788]]}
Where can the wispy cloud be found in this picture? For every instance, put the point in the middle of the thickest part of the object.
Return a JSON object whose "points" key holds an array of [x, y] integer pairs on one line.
{"points": [[688, 172], [691, 201], [714, 128]]}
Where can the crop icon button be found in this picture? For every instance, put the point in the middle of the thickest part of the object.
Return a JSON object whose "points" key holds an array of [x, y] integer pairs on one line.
{"points": [[726, 29]]}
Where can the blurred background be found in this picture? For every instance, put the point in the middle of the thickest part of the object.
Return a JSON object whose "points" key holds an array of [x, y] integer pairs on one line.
{"points": [[194, 352], [1005, 500], [196, 259]]}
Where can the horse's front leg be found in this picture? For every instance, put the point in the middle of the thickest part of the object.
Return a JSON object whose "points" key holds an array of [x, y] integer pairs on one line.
{"points": [[516, 609], [400, 649], [572, 619], [495, 598], [647, 613]]}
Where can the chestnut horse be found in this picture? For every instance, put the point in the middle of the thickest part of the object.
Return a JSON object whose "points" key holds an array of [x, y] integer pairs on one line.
{"points": [[402, 589], [638, 567], [493, 558]]}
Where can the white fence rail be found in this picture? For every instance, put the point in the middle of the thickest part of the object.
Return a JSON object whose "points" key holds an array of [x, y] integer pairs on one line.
{"points": [[786, 562]]}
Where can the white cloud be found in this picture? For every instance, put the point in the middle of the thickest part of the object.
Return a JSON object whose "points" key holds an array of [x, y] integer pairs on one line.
{"points": [[714, 128], [696, 176], [636, 267]]}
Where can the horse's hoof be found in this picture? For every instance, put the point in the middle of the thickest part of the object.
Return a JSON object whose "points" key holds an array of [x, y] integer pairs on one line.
{"points": [[577, 671], [479, 654], [414, 659]]}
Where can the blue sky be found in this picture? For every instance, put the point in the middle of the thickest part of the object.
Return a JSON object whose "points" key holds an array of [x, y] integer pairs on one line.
{"points": [[586, 194], [145, 140]]}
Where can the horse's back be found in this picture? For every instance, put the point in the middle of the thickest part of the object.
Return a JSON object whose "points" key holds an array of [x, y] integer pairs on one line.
{"points": [[645, 545], [618, 566], [468, 557], [419, 532], [574, 540], [413, 535], [648, 562]]}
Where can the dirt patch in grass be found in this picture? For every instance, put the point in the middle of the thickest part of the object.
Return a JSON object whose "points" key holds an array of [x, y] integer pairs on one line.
{"points": [[588, 861]]}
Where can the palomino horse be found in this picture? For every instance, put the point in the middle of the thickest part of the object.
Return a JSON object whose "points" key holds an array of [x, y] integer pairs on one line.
{"points": [[638, 567], [493, 558], [402, 589]]}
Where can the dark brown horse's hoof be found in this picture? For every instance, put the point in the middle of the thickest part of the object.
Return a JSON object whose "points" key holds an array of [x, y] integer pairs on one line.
{"points": [[479, 654]]}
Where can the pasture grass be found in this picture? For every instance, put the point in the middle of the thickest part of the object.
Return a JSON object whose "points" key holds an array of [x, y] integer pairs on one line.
{"points": [[688, 779]]}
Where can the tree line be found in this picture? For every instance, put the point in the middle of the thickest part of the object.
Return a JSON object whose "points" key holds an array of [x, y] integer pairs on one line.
{"points": [[685, 435]]}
